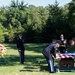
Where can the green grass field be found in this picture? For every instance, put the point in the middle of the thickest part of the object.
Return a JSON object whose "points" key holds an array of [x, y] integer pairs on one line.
{"points": [[10, 65]]}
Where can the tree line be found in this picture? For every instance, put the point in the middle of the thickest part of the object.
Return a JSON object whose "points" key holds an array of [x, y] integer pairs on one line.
{"points": [[37, 24]]}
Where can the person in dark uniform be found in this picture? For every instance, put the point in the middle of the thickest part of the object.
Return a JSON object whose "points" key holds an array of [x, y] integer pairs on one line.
{"points": [[49, 53], [20, 46], [63, 46]]}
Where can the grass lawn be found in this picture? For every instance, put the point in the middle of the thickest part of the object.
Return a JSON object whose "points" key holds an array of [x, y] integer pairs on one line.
{"points": [[35, 63]]}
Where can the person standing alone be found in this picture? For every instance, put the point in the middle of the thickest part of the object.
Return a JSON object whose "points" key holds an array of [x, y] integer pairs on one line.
{"points": [[20, 46]]}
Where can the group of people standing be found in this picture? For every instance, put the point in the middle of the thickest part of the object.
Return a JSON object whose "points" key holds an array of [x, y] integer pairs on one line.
{"points": [[49, 52]]}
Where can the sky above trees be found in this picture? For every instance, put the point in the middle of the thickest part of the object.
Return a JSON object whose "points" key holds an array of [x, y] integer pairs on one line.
{"points": [[35, 2]]}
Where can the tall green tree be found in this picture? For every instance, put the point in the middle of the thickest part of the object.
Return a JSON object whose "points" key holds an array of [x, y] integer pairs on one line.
{"points": [[2, 30], [71, 17], [11, 33]]}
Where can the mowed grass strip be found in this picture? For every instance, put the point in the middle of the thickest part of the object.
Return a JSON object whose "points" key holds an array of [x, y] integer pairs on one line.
{"points": [[35, 63]]}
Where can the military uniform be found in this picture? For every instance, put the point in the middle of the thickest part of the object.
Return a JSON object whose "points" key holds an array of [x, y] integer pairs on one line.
{"points": [[49, 52], [20, 46]]}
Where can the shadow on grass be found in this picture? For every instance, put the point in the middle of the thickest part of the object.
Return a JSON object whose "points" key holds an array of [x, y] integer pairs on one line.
{"points": [[9, 60], [35, 47], [35, 64], [32, 62], [10, 46], [34, 68], [29, 47], [14, 60], [38, 47], [71, 49]]}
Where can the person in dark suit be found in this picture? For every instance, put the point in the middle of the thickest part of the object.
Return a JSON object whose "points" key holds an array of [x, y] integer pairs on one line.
{"points": [[20, 46], [50, 53], [63, 46]]}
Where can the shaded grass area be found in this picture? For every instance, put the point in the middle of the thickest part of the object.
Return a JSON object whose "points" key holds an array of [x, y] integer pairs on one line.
{"points": [[35, 62], [71, 49]]}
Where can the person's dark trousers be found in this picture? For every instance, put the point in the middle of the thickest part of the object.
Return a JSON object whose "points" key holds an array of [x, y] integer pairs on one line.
{"points": [[22, 57], [21, 52], [47, 59]]}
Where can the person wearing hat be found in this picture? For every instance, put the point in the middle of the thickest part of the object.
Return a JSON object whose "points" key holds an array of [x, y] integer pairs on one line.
{"points": [[49, 53]]}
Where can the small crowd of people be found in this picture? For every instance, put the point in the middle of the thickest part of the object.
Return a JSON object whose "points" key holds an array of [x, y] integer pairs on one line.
{"points": [[49, 51]]}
